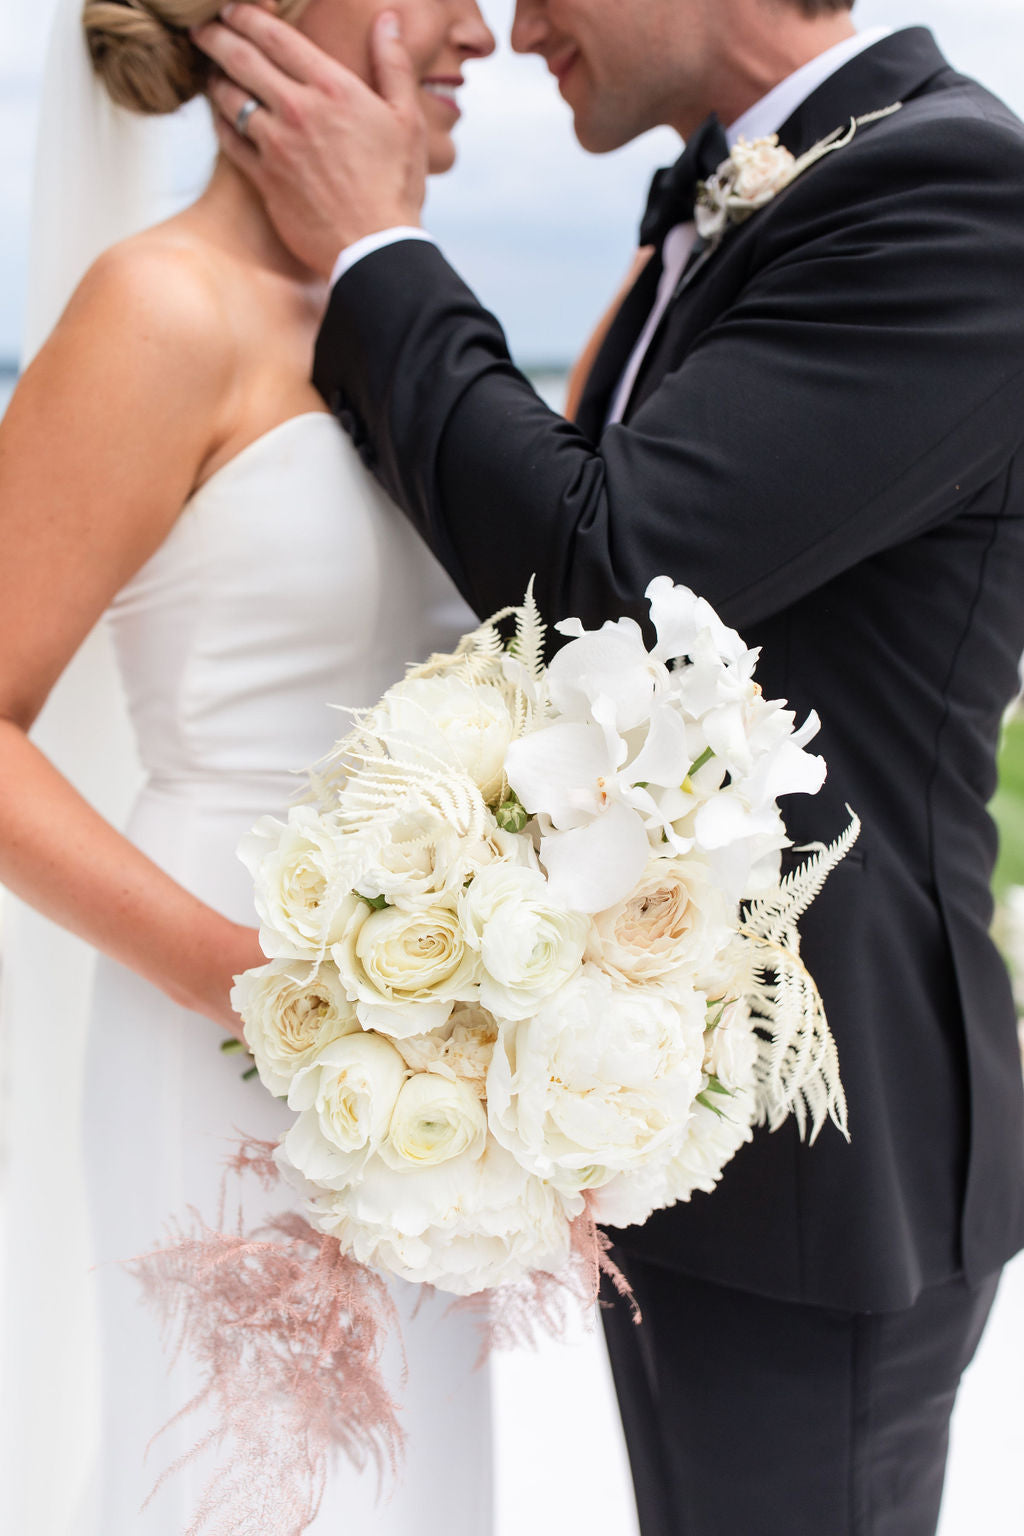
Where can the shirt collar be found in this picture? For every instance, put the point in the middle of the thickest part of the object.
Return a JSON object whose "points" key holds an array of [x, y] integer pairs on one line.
{"points": [[768, 115]]}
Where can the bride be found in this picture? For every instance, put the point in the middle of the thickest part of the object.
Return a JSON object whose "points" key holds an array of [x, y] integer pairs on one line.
{"points": [[165, 459]]}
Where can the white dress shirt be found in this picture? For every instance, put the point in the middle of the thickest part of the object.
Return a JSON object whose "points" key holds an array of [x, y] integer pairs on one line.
{"points": [[764, 117]]}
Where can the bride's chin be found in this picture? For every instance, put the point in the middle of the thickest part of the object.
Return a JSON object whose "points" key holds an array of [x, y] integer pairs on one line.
{"points": [[440, 154]]}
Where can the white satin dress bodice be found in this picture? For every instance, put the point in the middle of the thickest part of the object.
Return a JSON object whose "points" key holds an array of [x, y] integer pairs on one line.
{"points": [[288, 584]]}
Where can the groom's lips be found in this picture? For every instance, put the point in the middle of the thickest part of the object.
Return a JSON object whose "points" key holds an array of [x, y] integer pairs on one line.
{"points": [[561, 65]]}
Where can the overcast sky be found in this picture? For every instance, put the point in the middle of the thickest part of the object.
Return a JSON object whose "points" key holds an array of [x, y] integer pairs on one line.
{"points": [[541, 230]]}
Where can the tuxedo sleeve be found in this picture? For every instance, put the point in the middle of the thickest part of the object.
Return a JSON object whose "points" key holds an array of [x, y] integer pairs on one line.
{"points": [[862, 386]]}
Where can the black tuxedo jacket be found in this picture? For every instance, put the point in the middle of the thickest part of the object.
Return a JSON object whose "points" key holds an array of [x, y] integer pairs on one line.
{"points": [[827, 441]]}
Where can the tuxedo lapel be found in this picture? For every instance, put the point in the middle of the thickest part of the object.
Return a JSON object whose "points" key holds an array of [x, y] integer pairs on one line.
{"points": [[894, 69]]}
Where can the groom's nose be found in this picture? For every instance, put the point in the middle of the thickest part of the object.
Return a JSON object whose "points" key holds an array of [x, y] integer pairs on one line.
{"points": [[530, 26], [473, 35]]}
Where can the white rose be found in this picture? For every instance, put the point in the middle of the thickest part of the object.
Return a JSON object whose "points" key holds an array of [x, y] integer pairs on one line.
{"points": [[448, 721], [762, 169], [345, 1101], [291, 1010], [602, 1079], [464, 1226], [674, 923], [301, 893], [528, 946], [405, 970], [434, 1120]]}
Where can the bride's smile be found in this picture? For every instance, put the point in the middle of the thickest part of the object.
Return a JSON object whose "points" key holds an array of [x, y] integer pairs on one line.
{"points": [[441, 36]]}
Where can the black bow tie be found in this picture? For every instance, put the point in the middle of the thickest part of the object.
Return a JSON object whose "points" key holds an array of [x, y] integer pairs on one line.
{"points": [[674, 189]]}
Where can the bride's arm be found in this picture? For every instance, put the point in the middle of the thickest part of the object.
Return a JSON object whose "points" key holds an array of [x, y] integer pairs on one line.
{"points": [[106, 436]]}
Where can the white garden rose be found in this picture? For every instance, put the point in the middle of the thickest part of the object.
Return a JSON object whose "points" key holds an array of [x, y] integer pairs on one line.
{"points": [[528, 946], [345, 1101], [460, 1049], [465, 1225], [291, 1010], [762, 168], [302, 895], [434, 1120], [599, 1081], [448, 722], [406, 970], [674, 924]]}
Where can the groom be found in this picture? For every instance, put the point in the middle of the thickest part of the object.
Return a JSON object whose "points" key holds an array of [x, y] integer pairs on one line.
{"points": [[815, 417]]}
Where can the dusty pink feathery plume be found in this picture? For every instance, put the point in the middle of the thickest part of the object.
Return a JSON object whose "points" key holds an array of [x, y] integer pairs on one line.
{"points": [[287, 1332], [512, 1316]]}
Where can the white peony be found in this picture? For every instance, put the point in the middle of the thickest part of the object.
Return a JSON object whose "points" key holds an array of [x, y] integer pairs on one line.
{"points": [[675, 923], [709, 1142], [528, 946], [447, 721], [345, 1101], [434, 1120], [302, 894], [465, 1226], [601, 1080], [733, 1049], [291, 1010], [405, 970], [426, 861]]}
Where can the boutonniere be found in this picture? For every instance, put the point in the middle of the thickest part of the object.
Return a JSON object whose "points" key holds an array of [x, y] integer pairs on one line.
{"points": [[757, 172]]}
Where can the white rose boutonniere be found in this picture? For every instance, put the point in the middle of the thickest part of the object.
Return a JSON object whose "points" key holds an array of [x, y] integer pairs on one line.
{"points": [[757, 171]]}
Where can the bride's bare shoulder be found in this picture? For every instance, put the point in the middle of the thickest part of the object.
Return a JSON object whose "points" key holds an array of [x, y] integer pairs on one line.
{"points": [[161, 290]]}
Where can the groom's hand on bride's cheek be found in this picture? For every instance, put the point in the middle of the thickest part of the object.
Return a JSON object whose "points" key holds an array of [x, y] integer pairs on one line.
{"points": [[332, 159]]}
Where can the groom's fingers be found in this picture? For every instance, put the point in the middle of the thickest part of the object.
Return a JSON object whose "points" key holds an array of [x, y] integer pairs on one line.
{"points": [[240, 151], [392, 66], [248, 31], [244, 64], [229, 99]]}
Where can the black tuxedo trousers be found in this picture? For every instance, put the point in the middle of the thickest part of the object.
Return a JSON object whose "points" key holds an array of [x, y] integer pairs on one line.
{"points": [[827, 441]]}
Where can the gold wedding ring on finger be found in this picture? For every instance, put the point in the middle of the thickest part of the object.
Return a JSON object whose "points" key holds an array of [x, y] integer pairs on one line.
{"points": [[244, 116]]}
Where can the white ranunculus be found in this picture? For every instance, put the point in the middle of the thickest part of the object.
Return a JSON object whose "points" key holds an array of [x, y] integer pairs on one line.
{"points": [[528, 946], [465, 1226], [345, 1100], [434, 1120], [599, 1081], [426, 861], [291, 1010], [447, 721], [674, 924], [405, 970], [302, 894]]}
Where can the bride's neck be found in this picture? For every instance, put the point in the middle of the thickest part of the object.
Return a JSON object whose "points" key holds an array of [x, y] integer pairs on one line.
{"points": [[234, 212]]}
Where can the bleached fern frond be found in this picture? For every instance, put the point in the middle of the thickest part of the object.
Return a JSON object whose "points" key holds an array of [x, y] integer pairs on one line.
{"points": [[528, 645], [379, 789], [798, 1065], [774, 916]]}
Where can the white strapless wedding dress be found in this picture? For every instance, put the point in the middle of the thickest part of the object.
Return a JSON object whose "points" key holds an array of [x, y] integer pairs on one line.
{"points": [[288, 584]]}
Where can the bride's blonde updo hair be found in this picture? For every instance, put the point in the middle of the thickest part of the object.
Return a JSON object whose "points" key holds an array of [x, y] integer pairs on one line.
{"points": [[142, 52]]}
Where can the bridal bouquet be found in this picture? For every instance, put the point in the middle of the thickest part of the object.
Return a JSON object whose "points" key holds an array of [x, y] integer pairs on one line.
{"points": [[532, 968], [512, 976]]}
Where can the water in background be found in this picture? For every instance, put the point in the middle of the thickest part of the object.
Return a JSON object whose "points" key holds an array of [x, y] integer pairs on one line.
{"points": [[7, 378]]}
